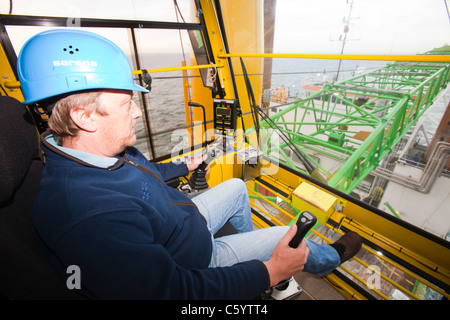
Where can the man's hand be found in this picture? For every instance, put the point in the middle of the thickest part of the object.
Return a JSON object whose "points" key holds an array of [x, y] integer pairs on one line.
{"points": [[194, 162], [286, 261]]}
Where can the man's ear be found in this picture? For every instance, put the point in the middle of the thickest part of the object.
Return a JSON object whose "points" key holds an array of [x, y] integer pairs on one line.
{"points": [[84, 118]]}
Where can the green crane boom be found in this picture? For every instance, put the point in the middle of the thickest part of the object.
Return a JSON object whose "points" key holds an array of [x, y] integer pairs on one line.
{"points": [[357, 121]]}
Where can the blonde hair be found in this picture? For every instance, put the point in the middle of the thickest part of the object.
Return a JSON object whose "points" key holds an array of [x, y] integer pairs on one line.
{"points": [[60, 121]]}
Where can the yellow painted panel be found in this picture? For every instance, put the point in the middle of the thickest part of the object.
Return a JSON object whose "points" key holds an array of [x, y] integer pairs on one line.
{"points": [[308, 197], [7, 77], [315, 196]]}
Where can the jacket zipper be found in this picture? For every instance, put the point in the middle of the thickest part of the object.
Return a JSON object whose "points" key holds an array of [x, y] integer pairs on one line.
{"points": [[143, 169]]}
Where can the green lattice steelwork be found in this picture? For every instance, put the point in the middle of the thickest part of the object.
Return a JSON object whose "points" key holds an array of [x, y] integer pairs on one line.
{"points": [[356, 122]]}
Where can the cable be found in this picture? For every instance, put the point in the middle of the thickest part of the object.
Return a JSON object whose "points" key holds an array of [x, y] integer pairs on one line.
{"points": [[251, 98], [312, 169], [446, 7], [178, 11]]}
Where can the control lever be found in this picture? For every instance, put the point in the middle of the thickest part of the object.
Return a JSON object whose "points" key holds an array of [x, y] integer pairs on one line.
{"points": [[305, 222], [289, 289], [197, 181]]}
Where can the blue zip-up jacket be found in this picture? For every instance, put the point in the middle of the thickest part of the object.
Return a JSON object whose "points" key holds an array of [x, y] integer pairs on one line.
{"points": [[131, 235]]}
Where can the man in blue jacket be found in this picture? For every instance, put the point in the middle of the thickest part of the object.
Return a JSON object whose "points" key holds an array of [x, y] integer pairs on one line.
{"points": [[107, 210]]}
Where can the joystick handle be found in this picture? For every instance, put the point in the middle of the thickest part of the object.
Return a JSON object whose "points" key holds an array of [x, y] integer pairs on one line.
{"points": [[197, 180], [305, 222], [203, 165]]}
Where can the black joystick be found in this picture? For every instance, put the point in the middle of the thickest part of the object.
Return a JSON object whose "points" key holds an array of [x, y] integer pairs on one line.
{"points": [[305, 222], [197, 180]]}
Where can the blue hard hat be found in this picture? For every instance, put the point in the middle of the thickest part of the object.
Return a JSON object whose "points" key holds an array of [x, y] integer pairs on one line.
{"points": [[56, 62]]}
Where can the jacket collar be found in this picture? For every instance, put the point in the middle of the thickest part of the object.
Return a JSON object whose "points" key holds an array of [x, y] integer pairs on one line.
{"points": [[84, 158]]}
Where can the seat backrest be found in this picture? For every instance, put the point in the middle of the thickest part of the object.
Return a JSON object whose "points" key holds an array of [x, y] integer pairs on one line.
{"points": [[25, 273]]}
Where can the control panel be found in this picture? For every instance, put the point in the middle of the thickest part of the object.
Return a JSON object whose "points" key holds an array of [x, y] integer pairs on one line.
{"points": [[224, 115]]}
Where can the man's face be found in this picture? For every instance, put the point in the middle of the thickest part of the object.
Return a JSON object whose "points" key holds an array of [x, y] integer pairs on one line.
{"points": [[117, 127]]}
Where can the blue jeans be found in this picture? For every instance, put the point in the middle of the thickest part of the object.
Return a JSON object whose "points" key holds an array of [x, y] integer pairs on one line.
{"points": [[229, 201]]}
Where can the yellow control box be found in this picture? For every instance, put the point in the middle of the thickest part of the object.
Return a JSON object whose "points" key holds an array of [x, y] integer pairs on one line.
{"points": [[308, 197]]}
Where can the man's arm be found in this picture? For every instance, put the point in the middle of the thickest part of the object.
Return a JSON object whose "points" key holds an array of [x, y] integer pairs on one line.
{"points": [[172, 170]]}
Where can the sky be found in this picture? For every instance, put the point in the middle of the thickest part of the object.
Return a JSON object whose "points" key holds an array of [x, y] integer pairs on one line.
{"points": [[375, 26], [302, 26]]}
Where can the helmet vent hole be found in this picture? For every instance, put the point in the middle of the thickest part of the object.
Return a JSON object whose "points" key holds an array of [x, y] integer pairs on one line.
{"points": [[71, 49]]}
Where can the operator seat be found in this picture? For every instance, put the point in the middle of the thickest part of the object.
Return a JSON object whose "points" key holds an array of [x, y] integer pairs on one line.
{"points": [[25, 273]]}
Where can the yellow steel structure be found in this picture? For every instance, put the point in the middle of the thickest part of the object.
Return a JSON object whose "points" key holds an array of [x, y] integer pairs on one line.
{"points": [[8, 78], [236, 17], [417, 58], [178, 68]]}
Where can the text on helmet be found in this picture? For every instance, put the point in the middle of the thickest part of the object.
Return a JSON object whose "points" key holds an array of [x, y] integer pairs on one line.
{"points": [[77, 63]]}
